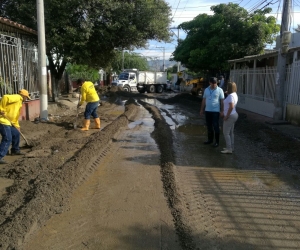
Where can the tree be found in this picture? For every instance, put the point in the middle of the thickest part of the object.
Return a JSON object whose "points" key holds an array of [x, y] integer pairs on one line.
{"points": [[230, 33], [131, 61], [88, 31], [77, 71]]}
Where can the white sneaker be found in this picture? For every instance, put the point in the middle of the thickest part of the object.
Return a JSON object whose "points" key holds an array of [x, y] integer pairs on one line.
{"points": [[226, 151]]}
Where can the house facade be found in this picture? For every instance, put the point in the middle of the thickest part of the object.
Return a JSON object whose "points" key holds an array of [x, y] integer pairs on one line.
{"points": [[256, 78], [19, 64]]}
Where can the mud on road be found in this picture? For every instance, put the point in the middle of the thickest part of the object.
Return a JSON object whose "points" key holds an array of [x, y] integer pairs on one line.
{"points": [[63, 157]]}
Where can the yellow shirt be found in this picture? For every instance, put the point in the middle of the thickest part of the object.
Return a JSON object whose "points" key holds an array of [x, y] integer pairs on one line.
{"points": [[11, 106], [88, 93]]}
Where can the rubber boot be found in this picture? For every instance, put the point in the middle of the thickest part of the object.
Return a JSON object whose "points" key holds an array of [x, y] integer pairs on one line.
{"points": [[86, 125], [217, 135], [210, 138], [97, 123]]}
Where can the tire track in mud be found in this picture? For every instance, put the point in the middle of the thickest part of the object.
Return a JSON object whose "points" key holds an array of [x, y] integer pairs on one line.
{"points": [[162, 134], [40, 191]]}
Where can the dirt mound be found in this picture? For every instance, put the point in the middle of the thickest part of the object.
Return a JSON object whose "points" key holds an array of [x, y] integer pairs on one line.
{"points": [[45, 178], [183, 99]]}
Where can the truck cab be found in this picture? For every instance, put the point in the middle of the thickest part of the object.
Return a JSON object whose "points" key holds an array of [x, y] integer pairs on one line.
{"points": [[127, 80], [142, 81]]}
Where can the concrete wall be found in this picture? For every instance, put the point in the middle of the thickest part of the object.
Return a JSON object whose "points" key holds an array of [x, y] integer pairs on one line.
{"points": [[30, 110], [256, 106], [293, 114]]}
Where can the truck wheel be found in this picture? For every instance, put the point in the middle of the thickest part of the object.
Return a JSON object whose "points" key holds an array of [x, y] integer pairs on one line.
{"points": [[151, 89], [127, 88], [159, 89]]}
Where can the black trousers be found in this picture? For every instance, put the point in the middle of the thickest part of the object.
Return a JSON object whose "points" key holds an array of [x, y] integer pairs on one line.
{"points": [[212, 124]]}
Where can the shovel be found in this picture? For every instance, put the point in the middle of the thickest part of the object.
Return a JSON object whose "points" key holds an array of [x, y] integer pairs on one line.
{"points": [[27, 144]]}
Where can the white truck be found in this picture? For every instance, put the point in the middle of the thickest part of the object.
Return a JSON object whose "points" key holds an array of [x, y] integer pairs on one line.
{"points": [[142, 81]]}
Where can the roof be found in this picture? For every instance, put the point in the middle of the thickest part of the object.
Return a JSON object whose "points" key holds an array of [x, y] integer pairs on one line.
{"points": [[22, 29], [260, 56], [267, 54]]}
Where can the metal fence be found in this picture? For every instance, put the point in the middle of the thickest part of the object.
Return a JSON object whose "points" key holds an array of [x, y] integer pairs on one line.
{"points": [[293, 84], [257, 83], [18, 66]]}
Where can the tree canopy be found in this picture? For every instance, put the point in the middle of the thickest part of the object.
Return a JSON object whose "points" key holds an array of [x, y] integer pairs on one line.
{"points": [[131, 61], [88, 31], [230, 33]]}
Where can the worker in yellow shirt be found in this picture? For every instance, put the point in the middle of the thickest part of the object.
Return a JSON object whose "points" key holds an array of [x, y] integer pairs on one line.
{"points": [[10, 106], [89, 95]]}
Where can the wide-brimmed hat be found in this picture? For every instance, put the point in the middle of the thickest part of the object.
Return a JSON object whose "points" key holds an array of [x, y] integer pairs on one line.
{"points": [[24, 92]]}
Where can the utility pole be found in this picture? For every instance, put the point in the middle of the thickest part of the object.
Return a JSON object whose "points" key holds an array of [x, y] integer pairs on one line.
{"points": [[42, 60], [163, 56], [178, 63], [122, 59], [281, 63]]}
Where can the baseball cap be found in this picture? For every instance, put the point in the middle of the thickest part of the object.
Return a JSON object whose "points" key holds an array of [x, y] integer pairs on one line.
{"points": [[24, 92]]}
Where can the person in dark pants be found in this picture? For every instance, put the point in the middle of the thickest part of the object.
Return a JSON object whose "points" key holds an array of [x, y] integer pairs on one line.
{"points": [[10, 106], [212, 103], [90, 96]]}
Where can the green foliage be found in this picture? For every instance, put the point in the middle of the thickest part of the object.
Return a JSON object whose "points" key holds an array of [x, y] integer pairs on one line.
{"points": [[131, 61], [87, 31], [228, 34], [76, 71]]}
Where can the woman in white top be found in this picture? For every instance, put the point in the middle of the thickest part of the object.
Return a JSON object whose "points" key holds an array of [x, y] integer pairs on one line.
{"points": [[230, 117]]}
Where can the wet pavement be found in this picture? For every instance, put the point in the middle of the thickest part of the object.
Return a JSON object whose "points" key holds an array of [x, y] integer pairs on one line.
{"points": [[234, 201], [122, 205], [247, 200]]}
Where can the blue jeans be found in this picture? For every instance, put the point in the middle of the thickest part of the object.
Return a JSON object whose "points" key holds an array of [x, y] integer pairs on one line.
{"points": [[91, 110], [10, 135]]}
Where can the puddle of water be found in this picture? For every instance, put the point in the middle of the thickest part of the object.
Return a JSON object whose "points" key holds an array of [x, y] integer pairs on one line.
{"points": [[134, 124], [192, 129], [171, 114]]}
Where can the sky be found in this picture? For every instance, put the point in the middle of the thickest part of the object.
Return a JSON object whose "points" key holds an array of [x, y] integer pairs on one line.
{"points": [[186, 10]]}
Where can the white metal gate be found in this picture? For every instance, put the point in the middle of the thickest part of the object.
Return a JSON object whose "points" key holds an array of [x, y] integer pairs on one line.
{"points": [[18, 66], [256, 89], [293, 84]]}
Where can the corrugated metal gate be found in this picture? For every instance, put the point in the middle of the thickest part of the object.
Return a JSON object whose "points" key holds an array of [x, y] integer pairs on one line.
{"points": [[18, 66]]}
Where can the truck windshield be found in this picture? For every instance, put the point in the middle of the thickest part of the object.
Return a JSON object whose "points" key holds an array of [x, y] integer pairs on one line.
{"points": [[123, 76]]}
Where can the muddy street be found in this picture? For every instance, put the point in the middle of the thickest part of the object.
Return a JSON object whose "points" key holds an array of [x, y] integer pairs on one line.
{"points": [[147, 181]]}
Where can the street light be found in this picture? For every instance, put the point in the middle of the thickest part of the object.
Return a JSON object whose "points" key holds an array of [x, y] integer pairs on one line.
{"points": [[163, 56]]}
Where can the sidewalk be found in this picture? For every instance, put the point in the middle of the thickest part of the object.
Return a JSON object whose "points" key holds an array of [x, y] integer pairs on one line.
{"points": [[285, 128]]}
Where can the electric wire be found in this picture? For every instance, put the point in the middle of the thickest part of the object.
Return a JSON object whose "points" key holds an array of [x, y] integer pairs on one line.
{"points": [[256, 6]]}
